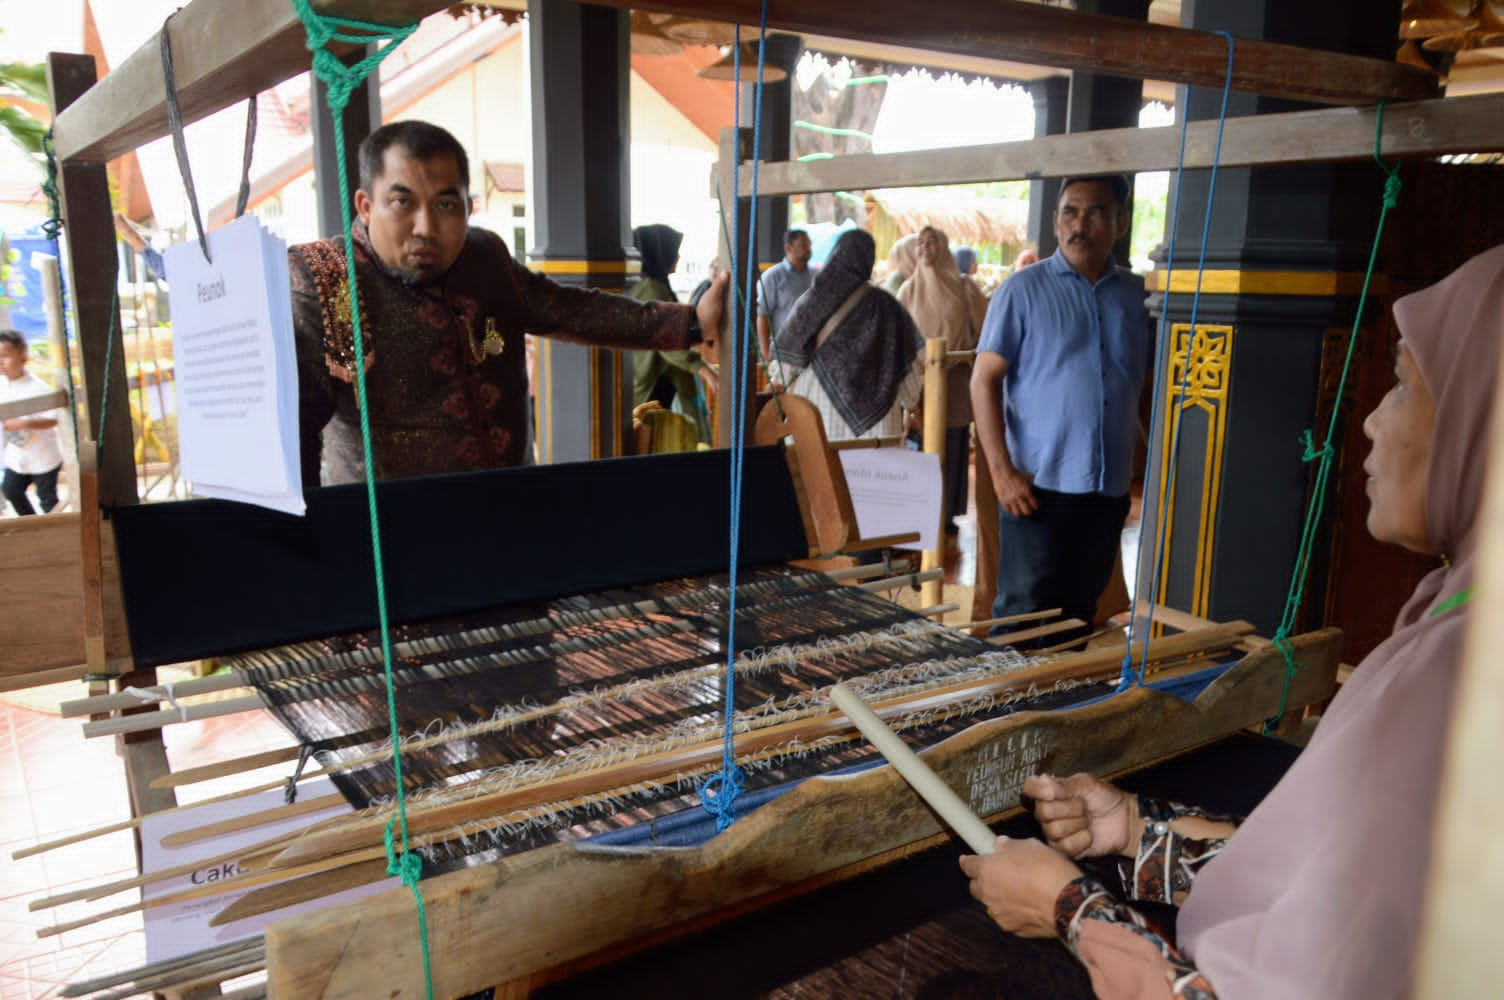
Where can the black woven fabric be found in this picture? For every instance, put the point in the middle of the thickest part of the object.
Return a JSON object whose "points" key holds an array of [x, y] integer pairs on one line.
{"points": [[205, 578]]}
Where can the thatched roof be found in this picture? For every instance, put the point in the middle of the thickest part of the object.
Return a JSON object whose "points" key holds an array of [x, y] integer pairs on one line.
{"points": [[965, 218]]}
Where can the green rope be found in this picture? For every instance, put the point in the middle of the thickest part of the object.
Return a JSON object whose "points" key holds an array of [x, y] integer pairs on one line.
{"points": [[342, 81], [1457, 600], [854, 133], [1325, 455], [52, 228]]}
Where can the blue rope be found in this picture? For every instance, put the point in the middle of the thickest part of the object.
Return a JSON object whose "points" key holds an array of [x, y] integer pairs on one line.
{"points": [[718, 794], [1129, 677]]}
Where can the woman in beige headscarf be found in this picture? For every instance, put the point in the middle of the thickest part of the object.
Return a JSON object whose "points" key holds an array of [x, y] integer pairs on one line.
{"points": [[1320, 892], [901, 261], [949, 307]]}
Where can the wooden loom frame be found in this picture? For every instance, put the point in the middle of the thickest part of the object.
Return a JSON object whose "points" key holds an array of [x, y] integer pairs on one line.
{"points": [[230, 49]]}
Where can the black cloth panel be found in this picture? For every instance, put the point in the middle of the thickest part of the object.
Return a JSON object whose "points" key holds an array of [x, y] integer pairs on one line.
{"points": [[209, 577]]}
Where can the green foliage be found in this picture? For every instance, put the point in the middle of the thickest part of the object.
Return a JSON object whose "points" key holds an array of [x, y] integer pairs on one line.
{"points": [[24, 81], [1148, 226]]}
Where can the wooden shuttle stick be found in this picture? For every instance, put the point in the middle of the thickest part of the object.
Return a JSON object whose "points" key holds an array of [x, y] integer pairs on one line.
{"points": [[978, 836]]}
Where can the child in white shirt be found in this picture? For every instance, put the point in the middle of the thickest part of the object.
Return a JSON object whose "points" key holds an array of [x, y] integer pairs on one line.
{"points": [[33, 447]]}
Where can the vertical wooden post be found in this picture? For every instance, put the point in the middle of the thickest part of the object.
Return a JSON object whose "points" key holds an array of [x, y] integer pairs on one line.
{"points": [[930, 591], [89, 230], [736, 369], [89, 234]]}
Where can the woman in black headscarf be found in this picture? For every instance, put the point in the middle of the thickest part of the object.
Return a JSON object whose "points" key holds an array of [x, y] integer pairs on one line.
{"points": [[851, 349], [665, 375]]}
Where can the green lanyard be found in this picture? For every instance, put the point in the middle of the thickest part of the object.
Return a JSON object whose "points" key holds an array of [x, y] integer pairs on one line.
{"points": [[1456, 600]]}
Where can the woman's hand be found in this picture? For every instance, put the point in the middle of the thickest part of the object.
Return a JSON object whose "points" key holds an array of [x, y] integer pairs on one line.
{"points": [[1083, 816], [1019, 884]]}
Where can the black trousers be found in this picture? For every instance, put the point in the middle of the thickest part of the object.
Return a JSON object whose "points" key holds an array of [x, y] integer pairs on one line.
{"points": [[15, 484], [1059, 556]]}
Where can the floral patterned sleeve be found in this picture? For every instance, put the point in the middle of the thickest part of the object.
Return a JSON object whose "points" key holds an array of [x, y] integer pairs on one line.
{"points": [[1163, 869], [1166, 863]]}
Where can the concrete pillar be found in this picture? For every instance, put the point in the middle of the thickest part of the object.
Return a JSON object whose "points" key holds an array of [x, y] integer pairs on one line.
{"points": [[1286, 251], [580, 178]]}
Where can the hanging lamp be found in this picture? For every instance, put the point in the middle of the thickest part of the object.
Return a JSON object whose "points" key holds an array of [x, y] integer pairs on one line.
{"points": [[648, 39], [696, 31], [1424, 18], [724, 68]]}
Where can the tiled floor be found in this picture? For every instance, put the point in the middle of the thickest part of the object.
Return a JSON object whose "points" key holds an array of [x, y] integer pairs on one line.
{"points": [[53, 783]]}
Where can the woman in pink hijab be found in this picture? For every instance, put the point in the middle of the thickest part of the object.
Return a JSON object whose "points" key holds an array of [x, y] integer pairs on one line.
{"points": [[1320, 893]]}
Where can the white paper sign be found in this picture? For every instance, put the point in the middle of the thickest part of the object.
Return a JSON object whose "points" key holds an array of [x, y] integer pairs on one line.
{"points": [[236, 366], [176, 929], [895, 491]]}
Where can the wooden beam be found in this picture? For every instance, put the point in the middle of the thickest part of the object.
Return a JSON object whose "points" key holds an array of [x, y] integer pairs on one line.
{"points": [[223, 51], [1423, 128], [1051, 36], [226, 50], [26, 407]]}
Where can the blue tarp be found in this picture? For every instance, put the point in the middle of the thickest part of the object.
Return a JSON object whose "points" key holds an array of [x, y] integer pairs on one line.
{"points": [[23, 283]]}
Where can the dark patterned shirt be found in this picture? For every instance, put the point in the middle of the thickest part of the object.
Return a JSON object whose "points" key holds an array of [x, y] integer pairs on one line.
{"points": [[1163, 869], [446, 367]]}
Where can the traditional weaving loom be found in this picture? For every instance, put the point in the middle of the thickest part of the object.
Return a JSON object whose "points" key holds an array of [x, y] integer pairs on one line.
{"points": [[565, 717], [579, 660]]}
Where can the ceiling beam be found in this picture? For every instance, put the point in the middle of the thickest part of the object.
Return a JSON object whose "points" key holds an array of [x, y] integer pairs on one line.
{"points": [[226, 50], [1427, 128], [1014, 31], [223, 51]]}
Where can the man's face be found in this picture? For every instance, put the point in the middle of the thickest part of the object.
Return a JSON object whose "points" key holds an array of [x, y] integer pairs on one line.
{"points": [[12, 361], [798, 252], [1088, 221], [417, 214]]}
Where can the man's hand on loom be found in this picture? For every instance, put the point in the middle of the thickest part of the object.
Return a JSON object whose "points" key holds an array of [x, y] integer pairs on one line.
{"points": [[709, 309], [1019, 884], [1083, 816]]}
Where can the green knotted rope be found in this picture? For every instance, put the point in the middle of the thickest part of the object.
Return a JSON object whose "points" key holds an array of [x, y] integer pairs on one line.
{"points": [[342, 81], [52, 228], [1325, 455]]}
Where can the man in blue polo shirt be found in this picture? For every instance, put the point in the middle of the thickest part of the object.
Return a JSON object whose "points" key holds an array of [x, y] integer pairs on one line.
{"points": [[1055, 390], [780, 287]]}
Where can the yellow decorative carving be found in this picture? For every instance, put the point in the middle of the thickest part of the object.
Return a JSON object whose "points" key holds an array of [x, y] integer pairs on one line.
{"points": [[1199, 377], [1320, 284]]}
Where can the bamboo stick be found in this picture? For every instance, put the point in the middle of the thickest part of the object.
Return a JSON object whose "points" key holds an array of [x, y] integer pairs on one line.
{"points": [[144, 975], [906, 580], [136, 697], [131, 824], [116, 725], [225, 768], [1027, 616], [179, 838]]}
